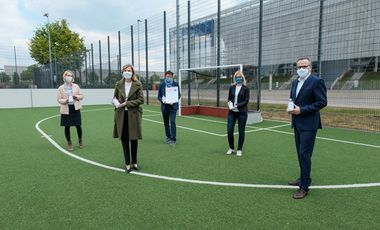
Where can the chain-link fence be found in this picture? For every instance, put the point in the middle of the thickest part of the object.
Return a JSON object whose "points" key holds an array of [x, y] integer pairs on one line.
{"points": [[341, 37]]}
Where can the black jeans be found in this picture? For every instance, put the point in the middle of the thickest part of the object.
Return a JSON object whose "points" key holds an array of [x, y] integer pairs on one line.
{"points": [[231, 121], [125, 143]]}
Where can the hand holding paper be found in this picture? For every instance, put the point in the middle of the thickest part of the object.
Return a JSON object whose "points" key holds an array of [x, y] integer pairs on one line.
{"points": [[71, 99], [116, 102], [171, 95], [230, 105]]}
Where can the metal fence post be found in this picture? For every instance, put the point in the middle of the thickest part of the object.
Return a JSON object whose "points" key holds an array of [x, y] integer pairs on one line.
{"points": [[100, 63], [146, 62]]}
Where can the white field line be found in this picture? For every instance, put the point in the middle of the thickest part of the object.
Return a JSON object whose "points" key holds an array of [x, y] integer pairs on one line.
{"points": [[187, 128], [151, 115], [364, 185], [331, 139], [152, 111], [271, 129]]}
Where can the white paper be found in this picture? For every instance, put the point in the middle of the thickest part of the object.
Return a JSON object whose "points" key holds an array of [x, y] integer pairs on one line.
{"points": [[171, 95], [71, 99], [115, 102], [290, 106], [230, 105]]}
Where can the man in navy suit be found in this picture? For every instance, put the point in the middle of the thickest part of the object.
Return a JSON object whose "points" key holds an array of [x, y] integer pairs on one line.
{"points": [[169, 109], [308, 93]]}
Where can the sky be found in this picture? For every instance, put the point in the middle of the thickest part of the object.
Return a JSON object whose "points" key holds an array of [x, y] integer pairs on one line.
{"points": [[92, 19]]}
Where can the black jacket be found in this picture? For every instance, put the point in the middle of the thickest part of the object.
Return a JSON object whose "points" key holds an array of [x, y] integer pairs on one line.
{"points": [[243, 97]]}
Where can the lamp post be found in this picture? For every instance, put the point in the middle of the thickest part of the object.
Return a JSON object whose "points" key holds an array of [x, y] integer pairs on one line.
{"points": [[51, 68], [138, 45]]}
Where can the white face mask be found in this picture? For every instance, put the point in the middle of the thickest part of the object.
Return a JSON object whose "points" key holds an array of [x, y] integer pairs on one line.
{"points": [[303, 72], [68, 79], [127, 75]]}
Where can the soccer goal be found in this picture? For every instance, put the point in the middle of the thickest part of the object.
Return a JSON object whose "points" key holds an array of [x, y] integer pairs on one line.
{"points": [[202, 89]]}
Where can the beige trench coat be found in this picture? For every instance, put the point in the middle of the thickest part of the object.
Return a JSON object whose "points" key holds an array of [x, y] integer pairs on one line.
{"points": [[135, 99]]}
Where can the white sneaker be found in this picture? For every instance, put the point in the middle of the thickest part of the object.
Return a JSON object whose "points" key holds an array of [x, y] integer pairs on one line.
{"points": [[230, 151], [239, 153]]}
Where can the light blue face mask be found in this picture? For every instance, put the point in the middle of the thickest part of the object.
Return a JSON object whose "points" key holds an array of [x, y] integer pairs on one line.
{"points": [[169, 81], [239, 80], [302, 72]]}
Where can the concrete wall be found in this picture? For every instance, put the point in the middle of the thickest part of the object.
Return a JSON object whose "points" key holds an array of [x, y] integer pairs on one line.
{"points": [[29, 98]]}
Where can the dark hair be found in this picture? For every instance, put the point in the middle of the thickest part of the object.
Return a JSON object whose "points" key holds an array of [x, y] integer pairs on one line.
{"points": [[169, 72]]}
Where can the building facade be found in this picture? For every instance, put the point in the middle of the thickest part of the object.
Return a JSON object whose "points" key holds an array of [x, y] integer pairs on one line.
{"points": [[338, 36]]}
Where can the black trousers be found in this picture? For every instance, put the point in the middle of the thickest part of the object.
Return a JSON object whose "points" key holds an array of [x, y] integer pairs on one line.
{"points": [[231, 121], [67, 132], [130, 156]]}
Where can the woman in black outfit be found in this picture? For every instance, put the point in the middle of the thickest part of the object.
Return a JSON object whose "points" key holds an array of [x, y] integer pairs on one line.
{"points": [[238, 98]]}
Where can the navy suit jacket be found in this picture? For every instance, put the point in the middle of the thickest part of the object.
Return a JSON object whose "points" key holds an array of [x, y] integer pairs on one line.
{"points": [[162, 92], [243, 97], [311, 98]]}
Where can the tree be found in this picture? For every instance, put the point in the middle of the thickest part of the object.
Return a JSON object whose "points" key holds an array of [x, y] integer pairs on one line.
{"points": [[155, 78], [94, 79], [4, 78], [16, 79], [114, 78], [28, 74], [67, 47]]}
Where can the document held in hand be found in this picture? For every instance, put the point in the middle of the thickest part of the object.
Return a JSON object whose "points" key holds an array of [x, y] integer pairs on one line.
{"points": [[171, 95], [115, 102], [230, 105]]}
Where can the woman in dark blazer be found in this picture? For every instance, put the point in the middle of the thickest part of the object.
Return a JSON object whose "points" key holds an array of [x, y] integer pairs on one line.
{"points": [[238, 98], [128, 97]]}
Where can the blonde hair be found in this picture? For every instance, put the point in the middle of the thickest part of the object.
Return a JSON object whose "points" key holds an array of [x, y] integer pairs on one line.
{"points": [[70, 72], [134, 77], [240, 73]]}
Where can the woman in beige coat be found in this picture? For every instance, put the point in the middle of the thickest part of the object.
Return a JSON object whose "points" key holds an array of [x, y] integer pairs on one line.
{"points": [[69, 96], [128, 97]]}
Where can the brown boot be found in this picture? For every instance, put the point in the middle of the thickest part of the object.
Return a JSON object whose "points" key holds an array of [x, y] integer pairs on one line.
{"points": [[81, 145], [70, 146]]}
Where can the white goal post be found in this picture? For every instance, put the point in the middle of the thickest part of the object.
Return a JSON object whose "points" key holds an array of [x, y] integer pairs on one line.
{"points": [[253, 116], [201, 68]]}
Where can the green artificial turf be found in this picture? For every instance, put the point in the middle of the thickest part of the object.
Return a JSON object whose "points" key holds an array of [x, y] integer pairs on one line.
{"points": [[42, 188]]}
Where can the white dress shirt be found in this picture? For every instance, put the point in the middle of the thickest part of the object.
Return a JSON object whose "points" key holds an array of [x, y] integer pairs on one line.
{"points": [[237, 90], [300, 83]]}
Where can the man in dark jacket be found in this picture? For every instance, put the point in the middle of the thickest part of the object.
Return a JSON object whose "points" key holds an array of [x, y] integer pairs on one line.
{"points": [[308, 93]]}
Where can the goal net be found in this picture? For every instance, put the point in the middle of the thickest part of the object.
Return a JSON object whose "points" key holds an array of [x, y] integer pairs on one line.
{"points": [[201, 86]]}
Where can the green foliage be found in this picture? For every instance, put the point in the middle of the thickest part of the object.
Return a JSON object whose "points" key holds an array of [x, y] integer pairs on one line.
{"points": [[155, 77], [66, 46], [28, 74], [16, 79], [114, 78], [4, 78], [94, 78]]}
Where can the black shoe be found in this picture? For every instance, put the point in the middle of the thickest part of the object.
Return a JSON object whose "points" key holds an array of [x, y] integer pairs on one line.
{"points": [[135, 167], [294, 183]]}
